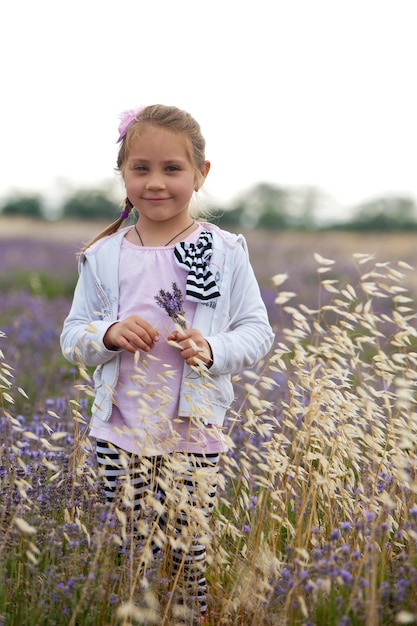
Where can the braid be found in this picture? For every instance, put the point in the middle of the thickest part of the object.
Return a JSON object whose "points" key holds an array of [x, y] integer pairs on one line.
{"points": [[113, 227]]}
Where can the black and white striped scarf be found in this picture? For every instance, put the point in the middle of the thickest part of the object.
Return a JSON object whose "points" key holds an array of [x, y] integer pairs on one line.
{"points": [[194, 257]]}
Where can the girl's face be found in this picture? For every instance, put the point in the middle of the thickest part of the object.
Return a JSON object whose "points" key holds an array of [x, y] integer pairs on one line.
{"points": [[159, 176]]}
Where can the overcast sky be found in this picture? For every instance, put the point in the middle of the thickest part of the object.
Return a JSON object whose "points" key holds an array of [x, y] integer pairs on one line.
{"points": [[291, 92]]}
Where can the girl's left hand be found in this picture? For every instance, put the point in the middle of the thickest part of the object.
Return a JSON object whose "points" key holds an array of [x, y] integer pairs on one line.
{"points": [[194, 348]]}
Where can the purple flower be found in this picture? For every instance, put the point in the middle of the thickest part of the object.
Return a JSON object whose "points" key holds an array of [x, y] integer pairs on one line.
{"points": [[113, 599], [172, 302], [346, 576], [285, 573]]}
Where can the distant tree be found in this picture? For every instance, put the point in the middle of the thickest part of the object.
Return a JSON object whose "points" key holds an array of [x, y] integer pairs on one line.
{"points": [[269, 218], [90, 204], [303, 204], [263, 205], [225, 217], [269, 206], [23, 205], [384, 214]]}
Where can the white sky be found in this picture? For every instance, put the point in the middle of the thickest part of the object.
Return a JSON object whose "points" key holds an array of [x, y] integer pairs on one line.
{"points": [[291, 92]]}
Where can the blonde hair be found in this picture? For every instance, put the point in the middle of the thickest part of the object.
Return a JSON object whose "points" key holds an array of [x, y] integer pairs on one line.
{"points": [[169, 117]]}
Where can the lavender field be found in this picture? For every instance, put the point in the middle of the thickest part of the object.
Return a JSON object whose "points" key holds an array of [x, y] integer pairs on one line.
{"points": [[316, 522]]}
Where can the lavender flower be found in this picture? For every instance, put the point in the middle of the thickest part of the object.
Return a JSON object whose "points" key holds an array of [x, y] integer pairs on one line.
{"points": [[172, 302]]}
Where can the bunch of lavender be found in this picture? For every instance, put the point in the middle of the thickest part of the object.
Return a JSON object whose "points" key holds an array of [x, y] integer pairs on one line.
{"points": [[172, 302]]}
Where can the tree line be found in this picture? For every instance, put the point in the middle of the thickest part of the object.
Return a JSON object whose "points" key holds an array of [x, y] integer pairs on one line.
{"points": [[265, 206]]}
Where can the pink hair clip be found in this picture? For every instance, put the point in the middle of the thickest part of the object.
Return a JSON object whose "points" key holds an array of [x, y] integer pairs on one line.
{"points": [[127, 118]]}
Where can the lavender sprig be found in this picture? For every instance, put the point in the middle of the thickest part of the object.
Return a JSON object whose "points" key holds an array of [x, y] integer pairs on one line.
{"points": [[172, 302]]}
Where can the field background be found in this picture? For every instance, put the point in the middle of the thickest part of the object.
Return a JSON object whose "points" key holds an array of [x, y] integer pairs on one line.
{"points": [[329, 539], [271, 252]]}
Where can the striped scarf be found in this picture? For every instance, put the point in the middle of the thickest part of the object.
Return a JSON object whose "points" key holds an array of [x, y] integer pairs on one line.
{"points": [[201, 285]]}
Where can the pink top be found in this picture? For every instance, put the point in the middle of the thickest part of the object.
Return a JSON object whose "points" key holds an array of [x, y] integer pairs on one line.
{"points": [[144, 417]]}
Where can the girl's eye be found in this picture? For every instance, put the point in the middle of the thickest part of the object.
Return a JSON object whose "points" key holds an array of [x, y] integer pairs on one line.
{"points": [[173, 168], [139, 168]]}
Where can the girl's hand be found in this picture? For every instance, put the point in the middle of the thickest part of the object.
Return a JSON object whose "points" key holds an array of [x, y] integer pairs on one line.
{"points": [[194, 348], [131, 334]]}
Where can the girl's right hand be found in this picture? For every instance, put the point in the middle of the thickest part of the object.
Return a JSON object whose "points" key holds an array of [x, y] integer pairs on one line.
{"points": [[131, 334]]}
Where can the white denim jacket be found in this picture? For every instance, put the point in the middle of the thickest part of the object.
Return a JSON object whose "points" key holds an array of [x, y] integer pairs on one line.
{"points": [[236, 326]]}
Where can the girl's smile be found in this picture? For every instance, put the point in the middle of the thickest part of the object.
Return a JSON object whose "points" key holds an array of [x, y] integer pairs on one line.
{"points": [[156, 200]]}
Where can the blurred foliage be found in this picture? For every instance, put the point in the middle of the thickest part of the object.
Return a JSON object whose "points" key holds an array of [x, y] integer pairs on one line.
{"points": [[384, 214], [36, 283], [89, 204], [269, 207], [24, 205], [264, 206]]}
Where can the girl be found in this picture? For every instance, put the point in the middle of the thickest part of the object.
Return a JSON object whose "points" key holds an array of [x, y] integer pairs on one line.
{"points": [[167, 310]]}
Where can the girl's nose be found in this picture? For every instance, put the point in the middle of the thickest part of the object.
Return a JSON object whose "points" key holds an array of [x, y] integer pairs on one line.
{"points": [[155, 182]]}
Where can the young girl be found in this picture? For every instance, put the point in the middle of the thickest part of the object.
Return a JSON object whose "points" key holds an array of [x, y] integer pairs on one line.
{"points": [[167, 310]]}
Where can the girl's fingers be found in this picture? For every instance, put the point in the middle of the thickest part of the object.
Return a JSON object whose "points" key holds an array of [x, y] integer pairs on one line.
{"points": [[132, 337], [143, 340], [147, 331]]}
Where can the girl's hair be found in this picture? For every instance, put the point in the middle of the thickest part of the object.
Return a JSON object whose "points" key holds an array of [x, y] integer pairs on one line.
{"points": [[169, 117]]}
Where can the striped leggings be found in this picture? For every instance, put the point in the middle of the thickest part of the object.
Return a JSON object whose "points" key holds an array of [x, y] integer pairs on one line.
{"points": [[179, 490]]}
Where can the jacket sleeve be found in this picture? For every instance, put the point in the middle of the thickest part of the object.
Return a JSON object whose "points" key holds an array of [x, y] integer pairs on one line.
{"points": [[245, 335], [84, 328]]}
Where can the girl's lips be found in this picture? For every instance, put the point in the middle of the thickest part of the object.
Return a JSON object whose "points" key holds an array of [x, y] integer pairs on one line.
{"points": [[156, 200]]}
